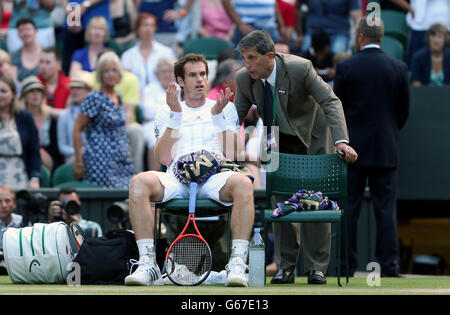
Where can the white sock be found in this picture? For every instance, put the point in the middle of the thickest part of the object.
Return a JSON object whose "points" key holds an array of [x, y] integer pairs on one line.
{"points": [[240, 248], [145, 246]]}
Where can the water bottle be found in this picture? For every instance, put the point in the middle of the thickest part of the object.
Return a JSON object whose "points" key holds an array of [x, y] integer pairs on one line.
{"points": [[256, 276]]}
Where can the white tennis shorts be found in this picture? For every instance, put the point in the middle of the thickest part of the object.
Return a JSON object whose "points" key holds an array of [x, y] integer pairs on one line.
{"points": [[174, 189]]}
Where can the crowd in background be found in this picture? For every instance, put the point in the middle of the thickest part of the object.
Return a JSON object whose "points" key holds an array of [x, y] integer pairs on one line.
{"points": [[46, 45], [81, 83]]}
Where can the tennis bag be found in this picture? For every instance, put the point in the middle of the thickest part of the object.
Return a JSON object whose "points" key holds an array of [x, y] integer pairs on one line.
{"points": [[39, 253], [106, 259]]}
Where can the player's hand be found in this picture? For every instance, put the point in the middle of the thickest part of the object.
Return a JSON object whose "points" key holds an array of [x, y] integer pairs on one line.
{"points": [[172, 98], [346, 152], [222, 101]]}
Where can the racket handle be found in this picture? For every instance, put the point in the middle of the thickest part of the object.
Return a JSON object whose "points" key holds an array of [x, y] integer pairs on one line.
{"points": [[192, 197]]}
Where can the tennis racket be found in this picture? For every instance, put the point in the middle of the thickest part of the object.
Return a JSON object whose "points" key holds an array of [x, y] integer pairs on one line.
{"points": [[189, 260]]}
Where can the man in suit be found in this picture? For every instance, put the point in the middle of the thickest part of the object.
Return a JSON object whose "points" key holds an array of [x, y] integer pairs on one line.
{"points": [[310, 119], [373, 88]]}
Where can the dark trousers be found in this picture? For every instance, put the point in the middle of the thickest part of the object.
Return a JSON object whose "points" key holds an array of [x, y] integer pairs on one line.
{"points": [[383, 192]]}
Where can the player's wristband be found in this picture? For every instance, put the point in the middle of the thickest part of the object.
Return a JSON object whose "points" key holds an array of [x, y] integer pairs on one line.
{"points": [[219, 122], [175, 120]]}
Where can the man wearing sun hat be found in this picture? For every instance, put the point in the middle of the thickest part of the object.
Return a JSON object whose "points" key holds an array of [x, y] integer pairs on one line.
{"points": [[80, 86]]}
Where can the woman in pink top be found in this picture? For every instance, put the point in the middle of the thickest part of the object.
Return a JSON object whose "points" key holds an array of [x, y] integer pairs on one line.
{"points": [[215, 20]]}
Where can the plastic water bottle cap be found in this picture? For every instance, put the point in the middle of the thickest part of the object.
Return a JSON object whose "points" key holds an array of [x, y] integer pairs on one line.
{"points": [[256, 230]]}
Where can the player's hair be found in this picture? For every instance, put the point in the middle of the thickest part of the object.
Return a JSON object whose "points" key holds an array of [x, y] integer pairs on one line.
{"points": [[372, 28], [179, 65], [260, 40]]}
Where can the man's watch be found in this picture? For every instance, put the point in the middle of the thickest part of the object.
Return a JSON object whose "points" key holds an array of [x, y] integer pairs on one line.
{"points": [[86, 4]]}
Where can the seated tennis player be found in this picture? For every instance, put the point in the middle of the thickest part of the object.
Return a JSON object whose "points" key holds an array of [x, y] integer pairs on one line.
{"points": [[194, 125]]}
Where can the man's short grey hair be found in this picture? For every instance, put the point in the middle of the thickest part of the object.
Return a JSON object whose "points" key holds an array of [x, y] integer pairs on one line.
{"points": [[372, 28], [259, 40], [225, 70]]}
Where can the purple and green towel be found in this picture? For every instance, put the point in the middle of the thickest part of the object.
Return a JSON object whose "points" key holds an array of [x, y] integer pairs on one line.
{"points": [[304, 200]]}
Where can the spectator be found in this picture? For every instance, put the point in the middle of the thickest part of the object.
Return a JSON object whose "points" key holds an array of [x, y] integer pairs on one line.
{"points": [[5, 14], [259, 15], [142, 58], [168, 14], [374, 91], [215, 20], [227, 53], [287, 19], [306, 105], [420, 18], [333, 17], [282, 47], [33, 98], [57, 213], [80, 86], [123, 15], [74, 27], [397, 5], [225, 78], [20, 160], [96, 35], [8, 219], [8, 70], [339, 57], [128, 89], [39, 13], [431, 65], [106, 160], [182, 128], [26, 59], [54, 81], [154, 98], [321, 56]]}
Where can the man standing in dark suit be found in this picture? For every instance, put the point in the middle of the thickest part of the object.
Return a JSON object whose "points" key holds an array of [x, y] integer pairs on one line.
{"points": [[373, 88]]}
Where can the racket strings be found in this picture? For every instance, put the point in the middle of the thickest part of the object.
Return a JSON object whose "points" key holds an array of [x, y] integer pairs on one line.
{"points": [[190, 261]]}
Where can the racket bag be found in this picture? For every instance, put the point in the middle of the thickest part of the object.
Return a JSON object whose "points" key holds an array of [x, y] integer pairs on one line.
{"points": [[106, 260], [39, 253]]}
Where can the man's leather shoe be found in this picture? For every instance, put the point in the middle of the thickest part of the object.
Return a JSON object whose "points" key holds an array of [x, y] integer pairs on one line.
{"points": [[316, 277], [283, 277]]}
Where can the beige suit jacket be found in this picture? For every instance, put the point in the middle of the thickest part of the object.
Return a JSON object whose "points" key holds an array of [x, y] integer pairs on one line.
{"points": [[310, 105]]}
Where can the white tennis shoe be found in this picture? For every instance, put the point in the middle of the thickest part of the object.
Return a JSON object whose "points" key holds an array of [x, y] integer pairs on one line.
{"points": [[147, 273], [236, 268]]}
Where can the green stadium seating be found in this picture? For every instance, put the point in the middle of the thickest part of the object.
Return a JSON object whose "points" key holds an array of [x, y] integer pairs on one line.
{"points": [[395, 25], [392, 47], [208, 46], [46, 179]]}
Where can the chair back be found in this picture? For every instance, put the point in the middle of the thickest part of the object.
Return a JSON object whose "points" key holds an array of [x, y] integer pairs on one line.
{"points": [[46, 178], [325, 173], [63, 174], [395, 25], [207, 46], [392, 47]]}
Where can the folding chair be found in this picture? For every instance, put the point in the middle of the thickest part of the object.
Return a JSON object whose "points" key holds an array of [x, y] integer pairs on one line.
{"points": [[325, 173]]}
